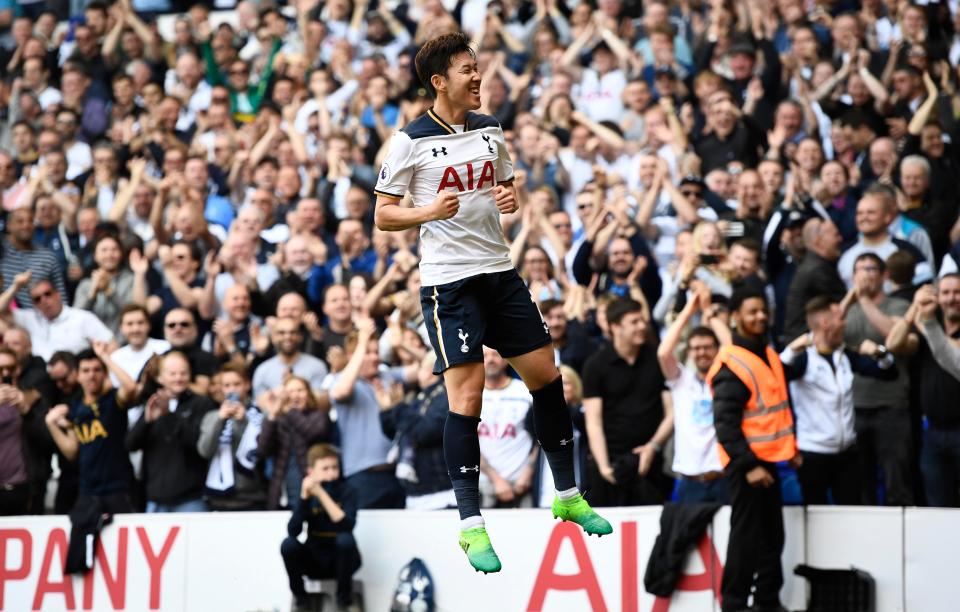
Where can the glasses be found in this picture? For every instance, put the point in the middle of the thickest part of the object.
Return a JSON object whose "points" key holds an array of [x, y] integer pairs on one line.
{"points": [[42, 296], [180, 324]]}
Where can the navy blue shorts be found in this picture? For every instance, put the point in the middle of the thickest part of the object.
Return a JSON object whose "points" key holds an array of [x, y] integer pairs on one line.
{"points": [[493, 309]]}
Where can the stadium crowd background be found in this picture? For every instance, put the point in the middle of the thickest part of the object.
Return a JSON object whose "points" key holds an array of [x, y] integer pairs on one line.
{"points": [[211, 194]]}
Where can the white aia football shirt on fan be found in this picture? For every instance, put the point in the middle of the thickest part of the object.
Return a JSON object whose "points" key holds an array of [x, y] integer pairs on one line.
{"points": [[429, 156], [504, 441]]}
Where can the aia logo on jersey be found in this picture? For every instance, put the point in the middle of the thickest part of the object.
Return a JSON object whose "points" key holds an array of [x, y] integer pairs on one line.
{"points": [[497, 431], [455, 179]]}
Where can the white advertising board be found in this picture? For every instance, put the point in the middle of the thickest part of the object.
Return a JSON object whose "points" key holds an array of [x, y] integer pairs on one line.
{"points": [[231, 561]]}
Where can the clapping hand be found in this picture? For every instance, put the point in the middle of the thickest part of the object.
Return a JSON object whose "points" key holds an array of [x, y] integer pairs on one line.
{"points": [[58, 416]]}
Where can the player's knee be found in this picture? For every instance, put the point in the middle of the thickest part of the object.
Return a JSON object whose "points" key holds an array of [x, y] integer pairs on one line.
{"points": [[467, 402]]}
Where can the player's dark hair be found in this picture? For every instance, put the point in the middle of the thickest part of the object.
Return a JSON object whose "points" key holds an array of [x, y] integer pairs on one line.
{"points": [[435, 57], [620, 308]]}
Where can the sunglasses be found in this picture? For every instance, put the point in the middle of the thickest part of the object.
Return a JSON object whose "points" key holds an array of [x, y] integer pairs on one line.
{"points": [[180, 324]]}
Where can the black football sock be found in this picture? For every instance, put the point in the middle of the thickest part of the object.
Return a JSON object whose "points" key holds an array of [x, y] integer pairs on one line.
{"points": [[461, 449], [551, 419]]}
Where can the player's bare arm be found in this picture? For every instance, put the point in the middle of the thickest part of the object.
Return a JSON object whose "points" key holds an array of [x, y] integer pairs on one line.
{"points": [[391, 217]]}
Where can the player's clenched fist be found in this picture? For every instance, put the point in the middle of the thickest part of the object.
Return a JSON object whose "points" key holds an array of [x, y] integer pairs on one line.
{"points": [[506, 200], [445, 206]]}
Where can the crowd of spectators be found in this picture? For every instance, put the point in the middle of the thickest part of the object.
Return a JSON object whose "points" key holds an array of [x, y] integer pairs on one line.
{"points": [[194, 292]]}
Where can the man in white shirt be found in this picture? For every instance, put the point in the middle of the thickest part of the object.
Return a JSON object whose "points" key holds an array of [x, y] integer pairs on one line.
{"points": [[508, 455], [52, 326], [695, 457], [140, 347]]}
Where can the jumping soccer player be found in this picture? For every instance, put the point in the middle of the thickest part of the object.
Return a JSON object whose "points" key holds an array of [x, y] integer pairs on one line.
{"points": [[455, 165]]}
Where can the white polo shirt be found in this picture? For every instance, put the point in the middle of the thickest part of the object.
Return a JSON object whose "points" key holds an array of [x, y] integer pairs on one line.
{"points": [[71, 331]]}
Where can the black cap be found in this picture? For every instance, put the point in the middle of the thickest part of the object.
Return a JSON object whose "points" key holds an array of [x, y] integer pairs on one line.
{"points": [[741, 45]]}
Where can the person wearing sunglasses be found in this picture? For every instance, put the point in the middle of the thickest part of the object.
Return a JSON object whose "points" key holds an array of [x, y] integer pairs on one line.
{"points": [[180, 330], [52, 326]]}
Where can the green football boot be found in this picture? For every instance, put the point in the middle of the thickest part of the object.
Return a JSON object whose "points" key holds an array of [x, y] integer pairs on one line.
{"points": [[577, 510], [476, 543]]}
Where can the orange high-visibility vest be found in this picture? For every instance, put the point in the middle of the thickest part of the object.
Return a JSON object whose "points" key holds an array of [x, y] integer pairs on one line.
{"points": [[767, 421]]}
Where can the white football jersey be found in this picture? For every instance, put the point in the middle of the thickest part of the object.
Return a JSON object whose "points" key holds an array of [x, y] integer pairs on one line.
{"points": [[429, 156], [504, 441]]}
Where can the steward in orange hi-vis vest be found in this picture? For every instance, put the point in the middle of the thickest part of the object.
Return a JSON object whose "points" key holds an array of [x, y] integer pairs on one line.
{"points": [[767, 420]]}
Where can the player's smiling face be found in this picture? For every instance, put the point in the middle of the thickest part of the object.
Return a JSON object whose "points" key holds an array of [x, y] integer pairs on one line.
{"points": [[463, 81]]}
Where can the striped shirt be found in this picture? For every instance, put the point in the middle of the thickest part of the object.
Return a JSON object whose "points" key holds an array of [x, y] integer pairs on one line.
{"points": [[40, 260]]}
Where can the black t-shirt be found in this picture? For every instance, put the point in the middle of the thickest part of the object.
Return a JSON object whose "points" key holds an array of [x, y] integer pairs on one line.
{"points": [[938, 390], [102, 460], [632, 406]]}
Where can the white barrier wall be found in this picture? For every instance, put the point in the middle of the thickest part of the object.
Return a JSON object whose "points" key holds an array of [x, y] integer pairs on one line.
{"points": [[231, 562]]}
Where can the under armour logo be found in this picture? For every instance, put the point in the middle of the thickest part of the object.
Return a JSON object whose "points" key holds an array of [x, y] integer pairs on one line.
{"points": [[463, 338], [565, 442], [464, 469], [487, 140], [439, 151]]}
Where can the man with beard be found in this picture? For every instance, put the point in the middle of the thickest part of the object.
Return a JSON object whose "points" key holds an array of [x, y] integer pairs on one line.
{"points": [[287, 339], [616, 275]]}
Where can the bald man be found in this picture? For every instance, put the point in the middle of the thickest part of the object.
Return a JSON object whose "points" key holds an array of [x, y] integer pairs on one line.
{"points": [[816, 275], [299, 273]]}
